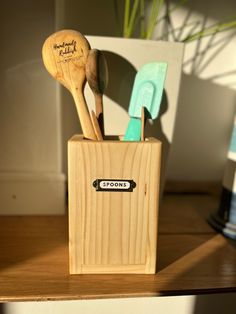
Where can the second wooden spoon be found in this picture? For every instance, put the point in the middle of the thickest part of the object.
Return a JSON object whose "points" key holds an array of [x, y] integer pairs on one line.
{"points": [[97, 76]]}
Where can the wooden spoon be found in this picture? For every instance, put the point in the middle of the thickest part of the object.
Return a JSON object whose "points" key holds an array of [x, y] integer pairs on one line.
{"points": [[97, 76], [64, 56], [96, 126]]}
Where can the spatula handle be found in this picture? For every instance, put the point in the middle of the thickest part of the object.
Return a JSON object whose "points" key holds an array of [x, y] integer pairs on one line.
{"points": [[143, 124], [84, 116], [133, 131]]}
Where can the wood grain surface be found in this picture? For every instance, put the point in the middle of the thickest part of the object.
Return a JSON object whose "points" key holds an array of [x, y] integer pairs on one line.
{"points": [[113, 231], [192, 258]]}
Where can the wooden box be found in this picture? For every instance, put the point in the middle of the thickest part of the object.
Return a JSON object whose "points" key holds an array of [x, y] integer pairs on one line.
{"points": [[113, 205]]}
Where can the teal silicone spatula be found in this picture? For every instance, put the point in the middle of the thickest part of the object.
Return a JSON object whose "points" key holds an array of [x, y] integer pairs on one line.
{"points": [[147, 92]]}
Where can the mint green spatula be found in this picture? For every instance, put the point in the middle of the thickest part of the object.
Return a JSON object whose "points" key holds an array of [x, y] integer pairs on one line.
{"points": [[147, 92]]}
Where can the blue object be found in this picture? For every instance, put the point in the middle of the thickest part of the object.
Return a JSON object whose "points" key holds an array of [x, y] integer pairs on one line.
{"points": [[147, 92], [224, 220], [232, 147]]}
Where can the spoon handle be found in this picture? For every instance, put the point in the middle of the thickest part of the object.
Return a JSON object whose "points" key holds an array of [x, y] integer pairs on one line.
{"points": [[99, 110], [98, 104], [96, 126], [85, 120]]}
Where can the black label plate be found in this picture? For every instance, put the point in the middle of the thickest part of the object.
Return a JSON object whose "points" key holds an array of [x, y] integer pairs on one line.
{"points": [[116, 185]]}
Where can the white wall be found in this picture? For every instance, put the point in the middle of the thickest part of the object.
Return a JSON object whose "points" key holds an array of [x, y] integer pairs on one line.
{"points": [[207, 98], [31, 178]]}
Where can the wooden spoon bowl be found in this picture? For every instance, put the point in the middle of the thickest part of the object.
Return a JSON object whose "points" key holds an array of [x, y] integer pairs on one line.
{"points": [[64, 56]]}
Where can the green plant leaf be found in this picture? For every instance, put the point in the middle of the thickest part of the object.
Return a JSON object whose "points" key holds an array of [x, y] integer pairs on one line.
{"points": [[117, 19], [137, 16], [126, 18], [156, 7], [133, 18], [142, 19]]}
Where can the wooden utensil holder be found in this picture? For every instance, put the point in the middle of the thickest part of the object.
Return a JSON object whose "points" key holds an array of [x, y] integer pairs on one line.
{"points": [[113, 205]]}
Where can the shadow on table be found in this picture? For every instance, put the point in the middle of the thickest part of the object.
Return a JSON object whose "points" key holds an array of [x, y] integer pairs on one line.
{"points": [[168, 253], [209, 265], [183, 228], [219, 303]]}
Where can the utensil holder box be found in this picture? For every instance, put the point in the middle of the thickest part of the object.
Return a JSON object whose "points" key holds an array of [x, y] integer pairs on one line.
{"points": [[113, 205]]}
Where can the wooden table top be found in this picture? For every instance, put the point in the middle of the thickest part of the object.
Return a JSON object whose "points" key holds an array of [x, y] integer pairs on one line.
{"points": [[192, 258]]}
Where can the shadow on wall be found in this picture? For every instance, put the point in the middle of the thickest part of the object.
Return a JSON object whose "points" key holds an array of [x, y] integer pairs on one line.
{"points": [[205, 55], [215, 9], [120, 83], [206, 109], [203, 129]]}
